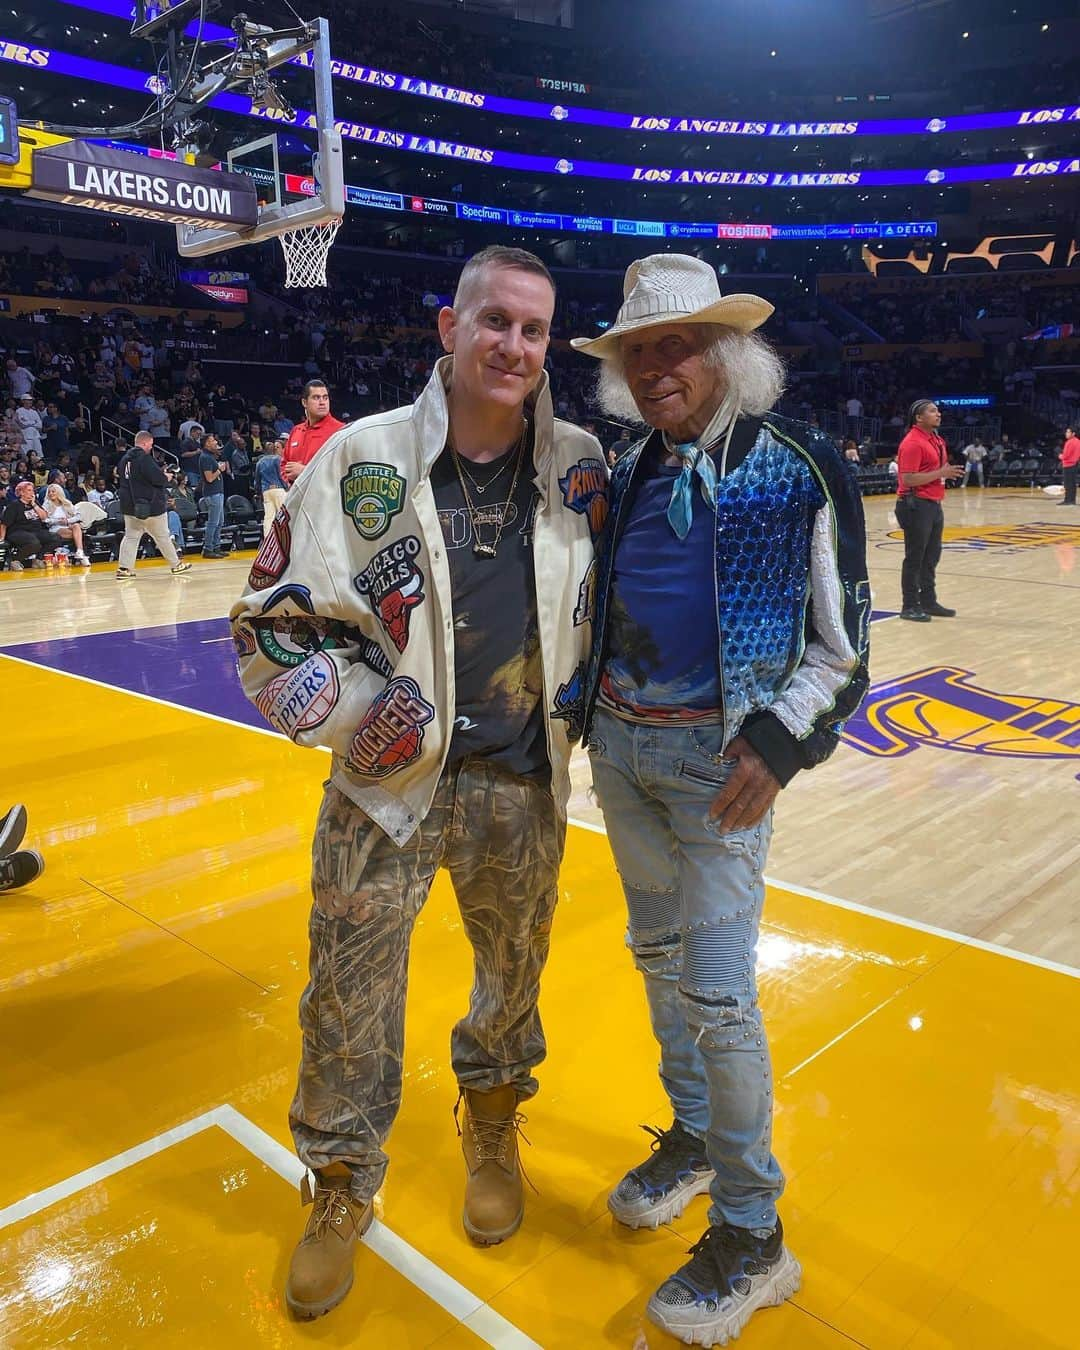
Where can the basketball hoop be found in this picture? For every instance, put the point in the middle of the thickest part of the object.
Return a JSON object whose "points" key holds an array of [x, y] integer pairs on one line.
{"points": [[306, 251]]}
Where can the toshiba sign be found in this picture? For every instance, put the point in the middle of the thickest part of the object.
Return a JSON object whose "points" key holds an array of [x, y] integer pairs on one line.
{"points": [[126, 184]]}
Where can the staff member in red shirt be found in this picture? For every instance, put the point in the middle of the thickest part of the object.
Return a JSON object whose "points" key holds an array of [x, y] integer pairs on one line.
{"points": [[922, 470], [1070, 459], [308, 437]]}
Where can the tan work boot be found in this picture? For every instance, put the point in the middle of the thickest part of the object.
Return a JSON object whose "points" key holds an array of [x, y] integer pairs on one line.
{"points": [[494, 1196], [321, 1269]]}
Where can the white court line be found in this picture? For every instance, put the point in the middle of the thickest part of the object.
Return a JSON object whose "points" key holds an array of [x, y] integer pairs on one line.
{"points": [[490, 1326], [964, 939]]}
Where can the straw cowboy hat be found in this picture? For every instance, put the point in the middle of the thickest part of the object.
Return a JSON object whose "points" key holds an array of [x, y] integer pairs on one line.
{"points": [[674, 288]]}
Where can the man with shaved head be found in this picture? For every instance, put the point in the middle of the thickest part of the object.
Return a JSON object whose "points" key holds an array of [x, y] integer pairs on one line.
{"points": [[422, 605]]}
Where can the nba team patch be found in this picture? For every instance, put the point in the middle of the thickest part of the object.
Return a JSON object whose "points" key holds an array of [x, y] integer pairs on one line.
{"points": [[371, 496], [290, 641], [300, 699], [585, 609], [288, 600], [243, 641], [569, 698], [584, 490], [273, 556], [393, 586], [392, 733]]}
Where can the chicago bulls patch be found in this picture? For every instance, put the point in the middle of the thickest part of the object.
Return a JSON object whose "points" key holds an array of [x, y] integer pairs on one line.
{"points": [[300, 699], [392, 733], [273, 557], [393, 586], [584, 490]]}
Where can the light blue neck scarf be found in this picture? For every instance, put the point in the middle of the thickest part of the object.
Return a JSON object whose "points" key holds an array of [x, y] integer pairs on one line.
{"points": [[695, 459]]}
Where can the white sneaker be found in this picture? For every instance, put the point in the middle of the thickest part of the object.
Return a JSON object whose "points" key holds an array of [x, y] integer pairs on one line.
{"points": [[82, 559]]}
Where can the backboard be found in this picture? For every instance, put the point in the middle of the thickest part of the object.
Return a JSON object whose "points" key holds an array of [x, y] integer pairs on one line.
{"points": [[300, 185]]}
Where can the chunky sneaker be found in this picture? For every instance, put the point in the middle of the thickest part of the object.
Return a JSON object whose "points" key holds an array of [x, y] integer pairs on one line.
{"points": [[12, 829], [664, 1184], [20, 869], [731, 1274], [937, 611], [14, 565], [82, 559], [125, 574], [321, 1269], [180, 567], [915, 615], [494, 1194]]}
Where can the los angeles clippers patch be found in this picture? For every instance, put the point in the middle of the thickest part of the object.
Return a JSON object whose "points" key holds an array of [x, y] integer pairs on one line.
{"points": [[300, 699], [391, 735], [371, 496], [584, 490], [273, 555], [393, 586]]}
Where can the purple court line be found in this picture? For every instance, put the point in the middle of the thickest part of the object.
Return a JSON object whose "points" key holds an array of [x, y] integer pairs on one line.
{"points": [[190, 665]]}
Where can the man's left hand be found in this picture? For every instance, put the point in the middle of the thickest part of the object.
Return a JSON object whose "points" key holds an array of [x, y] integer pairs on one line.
{"points": [[749, 792]]}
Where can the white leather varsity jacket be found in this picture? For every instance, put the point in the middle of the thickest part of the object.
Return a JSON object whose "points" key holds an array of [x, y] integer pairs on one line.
{"points": [[345, 632]]}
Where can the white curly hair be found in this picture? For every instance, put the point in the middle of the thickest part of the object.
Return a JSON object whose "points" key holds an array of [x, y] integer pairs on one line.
{"points": [[750, 368]]}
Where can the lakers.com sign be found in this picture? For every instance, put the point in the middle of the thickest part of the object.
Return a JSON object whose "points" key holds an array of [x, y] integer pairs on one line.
{"points": [[127, 184]]}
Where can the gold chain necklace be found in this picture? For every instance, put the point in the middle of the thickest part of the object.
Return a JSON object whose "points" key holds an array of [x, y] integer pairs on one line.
{"points": [[480, 548]]}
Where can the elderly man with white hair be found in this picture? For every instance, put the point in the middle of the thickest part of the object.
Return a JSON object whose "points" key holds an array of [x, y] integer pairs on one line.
{"points": [[729, 646]]}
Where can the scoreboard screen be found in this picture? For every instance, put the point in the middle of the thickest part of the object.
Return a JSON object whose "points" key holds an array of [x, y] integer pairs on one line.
{"points": [[9, 132]]}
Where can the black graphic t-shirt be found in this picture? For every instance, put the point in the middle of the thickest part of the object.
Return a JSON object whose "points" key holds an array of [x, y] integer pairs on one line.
{"points": [[499, 712]]}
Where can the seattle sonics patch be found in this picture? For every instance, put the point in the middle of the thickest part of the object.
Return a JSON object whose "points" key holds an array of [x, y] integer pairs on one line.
{"points": [[371, 496]]}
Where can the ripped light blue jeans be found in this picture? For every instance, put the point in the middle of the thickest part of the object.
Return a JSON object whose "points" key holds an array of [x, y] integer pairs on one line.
{"points": [[695, 897]]}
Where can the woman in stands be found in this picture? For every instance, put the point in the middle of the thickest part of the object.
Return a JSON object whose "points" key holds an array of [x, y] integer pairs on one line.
{"points": [[61, 518]]}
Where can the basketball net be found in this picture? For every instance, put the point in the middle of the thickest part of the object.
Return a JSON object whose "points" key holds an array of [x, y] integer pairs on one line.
{"points": [[306, 251]]}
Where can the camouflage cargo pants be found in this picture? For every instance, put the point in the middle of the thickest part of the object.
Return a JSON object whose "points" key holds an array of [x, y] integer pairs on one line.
{"points": [[501, 840]]}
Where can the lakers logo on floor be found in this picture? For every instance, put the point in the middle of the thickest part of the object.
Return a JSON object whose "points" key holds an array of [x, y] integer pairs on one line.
{"points": [[1001, 538], [939, 706]]}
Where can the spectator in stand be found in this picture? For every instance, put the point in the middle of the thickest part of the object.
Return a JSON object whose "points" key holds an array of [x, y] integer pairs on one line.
{"points": [[24, 527], [923, 469], [142, 500], [1070, 463], [55, 426], [271, 486], [239, 457], [190, 450], [213, 468], [20, 380], [223, 410], [308, 437], [29, 420], [189, 425], [851, 453], [61, 519], [158, 422], [974, 454]]}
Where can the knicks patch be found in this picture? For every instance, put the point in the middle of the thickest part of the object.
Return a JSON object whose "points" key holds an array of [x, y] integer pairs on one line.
{"points": [[393, 586], [273, 555], [371, 496], [300, 699], [584, 490], [392, 733], [585, 609]]}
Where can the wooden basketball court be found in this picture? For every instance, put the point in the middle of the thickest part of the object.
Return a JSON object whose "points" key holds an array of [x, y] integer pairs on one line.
{"points": [[919, 968]]}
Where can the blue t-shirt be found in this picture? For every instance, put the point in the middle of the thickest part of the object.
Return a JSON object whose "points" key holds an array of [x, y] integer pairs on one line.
{"points": [[663, 653], [207, 464]]}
